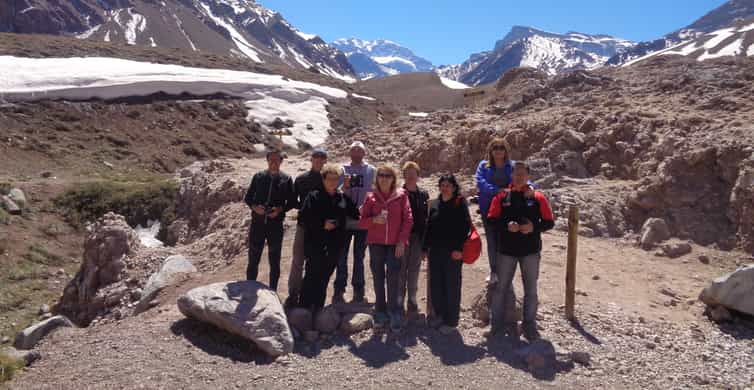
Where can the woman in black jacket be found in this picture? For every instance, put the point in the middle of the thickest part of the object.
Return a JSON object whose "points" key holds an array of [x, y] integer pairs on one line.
{"points": [[447, 229], [324, 215]]}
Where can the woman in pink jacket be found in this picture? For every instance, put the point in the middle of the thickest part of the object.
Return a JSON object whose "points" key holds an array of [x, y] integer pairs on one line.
{"points": [[386, 215]]}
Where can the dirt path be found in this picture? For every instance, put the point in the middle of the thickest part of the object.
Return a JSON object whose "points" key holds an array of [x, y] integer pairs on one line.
{"points": [[639, 321]]}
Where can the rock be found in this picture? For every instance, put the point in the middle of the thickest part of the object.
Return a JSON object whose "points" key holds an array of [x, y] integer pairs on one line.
{"points": [[480, 309], [311, 336], [248, 309], [719, 314], [300, 319], [356, 322], [704, 259], [327, 320], [676, 249], [583, 358], [734, 291], [44, 309], [17, 196], [538, 355], [28, 357], [174, 269], [106, 248], [5, 340], [589, 125], [654, 231], [9, 205], [46, 174], [29, 337]]}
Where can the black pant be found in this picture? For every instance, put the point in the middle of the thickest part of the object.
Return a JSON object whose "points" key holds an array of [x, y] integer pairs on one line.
{"points": [[259, 232], [445, 285], [320, 265]]}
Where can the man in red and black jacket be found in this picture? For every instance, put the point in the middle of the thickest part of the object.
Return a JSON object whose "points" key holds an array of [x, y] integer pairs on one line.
{"points": [[522, 221]]}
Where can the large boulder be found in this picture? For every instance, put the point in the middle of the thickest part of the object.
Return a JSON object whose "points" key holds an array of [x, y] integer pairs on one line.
{"points": [[29, 337], [734, 291], [675, 249], [654, 231], [248, 309], [174, 269], [480, 305], [106, 249], [300, 319]]}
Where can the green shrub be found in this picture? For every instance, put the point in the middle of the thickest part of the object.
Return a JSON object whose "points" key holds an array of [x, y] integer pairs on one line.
{"points": [[138, 202], [9, 366], [40, 255], [4, 217], [5, 188]]}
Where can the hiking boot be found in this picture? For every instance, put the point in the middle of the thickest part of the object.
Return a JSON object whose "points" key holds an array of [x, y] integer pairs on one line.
{"points": [[530, 331], [512, 331], [338, 298]]}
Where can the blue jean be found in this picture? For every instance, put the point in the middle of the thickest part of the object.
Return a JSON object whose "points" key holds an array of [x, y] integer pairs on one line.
{"points": [[492, 233], [359, 251], [506, 270], [385, 268]]}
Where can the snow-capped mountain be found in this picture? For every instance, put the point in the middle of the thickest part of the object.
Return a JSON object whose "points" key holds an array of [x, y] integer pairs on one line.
{"points": [[380, 58], [733, 13], [238, 27], [529, 47]]}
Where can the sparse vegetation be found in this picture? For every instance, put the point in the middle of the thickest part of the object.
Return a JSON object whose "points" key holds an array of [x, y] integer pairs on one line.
{"points": [[4, 217], [38, 254], [137, 201], [5, 188], [8, 366]]}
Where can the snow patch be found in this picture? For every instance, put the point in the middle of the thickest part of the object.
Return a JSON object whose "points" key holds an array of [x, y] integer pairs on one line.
{"points": [[148, 235], [452, 84], [107, 36], [135, 23], [371, 99], [241, 42], [733, 49], [390, 59], [750, 51], [418, 114], [307, 37], [308, 113], [88, 33], [179, 23]]}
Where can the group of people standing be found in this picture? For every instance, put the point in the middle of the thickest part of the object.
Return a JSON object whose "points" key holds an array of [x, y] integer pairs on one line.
{"points": [[361, 206]]}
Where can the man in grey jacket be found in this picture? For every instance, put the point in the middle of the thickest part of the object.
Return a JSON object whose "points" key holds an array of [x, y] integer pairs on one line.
{"points": [[358, 180]]}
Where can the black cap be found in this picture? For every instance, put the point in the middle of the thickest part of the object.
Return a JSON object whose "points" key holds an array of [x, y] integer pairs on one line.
{"points": [[319, 152]]}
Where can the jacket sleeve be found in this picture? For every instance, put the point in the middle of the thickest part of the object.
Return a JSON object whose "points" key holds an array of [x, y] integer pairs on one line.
{"points": [[407, 221], [484, 186], [428, 228], [249, 198], [366, 214], [291, 201], [351, 210], [547, 220], [464, 226]]}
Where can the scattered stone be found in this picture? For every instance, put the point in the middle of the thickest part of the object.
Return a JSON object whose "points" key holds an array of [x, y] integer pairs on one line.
{"points": [[327, 320], [676, 249], [28, 357], [356, 322], [583, 358], [44, 309], [5, 340], [46, 174], [9, 205], [538, 355], [18, 196], [174, 269], [654, 231], [29, 337], [704, 259], [596, 277], [734, 291], [300, 319], [248, 309]]}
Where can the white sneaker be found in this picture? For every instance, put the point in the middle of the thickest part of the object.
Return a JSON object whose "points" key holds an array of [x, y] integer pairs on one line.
{"points": [[491, 278]]}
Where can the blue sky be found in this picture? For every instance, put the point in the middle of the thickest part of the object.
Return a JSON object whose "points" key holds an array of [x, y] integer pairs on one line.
{"points": [[446, 32]]}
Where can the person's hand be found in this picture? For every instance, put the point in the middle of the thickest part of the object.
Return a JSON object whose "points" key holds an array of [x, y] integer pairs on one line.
{"points": [[379, 219], [513, 227], [259, 210], [275, 212], [457, 255], [346, 182], [400, 250], [329, 226]]}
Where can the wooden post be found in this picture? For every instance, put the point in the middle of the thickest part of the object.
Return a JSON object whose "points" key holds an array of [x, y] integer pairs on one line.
{"points": [[573, 234]]}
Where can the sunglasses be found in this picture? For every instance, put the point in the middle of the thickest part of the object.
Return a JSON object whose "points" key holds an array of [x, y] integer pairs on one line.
{"points": [[386, 175]]}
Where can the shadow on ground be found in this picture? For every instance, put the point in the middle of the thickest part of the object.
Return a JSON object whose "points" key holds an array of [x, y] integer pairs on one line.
{"points": [[218, 342]]}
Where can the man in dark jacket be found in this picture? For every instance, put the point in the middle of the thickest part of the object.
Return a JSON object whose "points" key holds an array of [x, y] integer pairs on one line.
{"points": [[305, 183], [521, 223], [270, 196]]}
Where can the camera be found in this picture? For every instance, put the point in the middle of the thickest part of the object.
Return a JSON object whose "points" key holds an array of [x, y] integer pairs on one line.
{"points": [[357, 181]]}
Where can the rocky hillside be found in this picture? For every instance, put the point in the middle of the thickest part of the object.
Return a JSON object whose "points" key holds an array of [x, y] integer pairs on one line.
{"points": [[240, 28], [668, 138], [529, 47], [380, 58], [714, 24]]}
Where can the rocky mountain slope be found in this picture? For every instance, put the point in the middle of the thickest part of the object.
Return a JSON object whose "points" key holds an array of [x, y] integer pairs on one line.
{"points": [[529, 47], [716, 23], [380, 58], [241, 28]]}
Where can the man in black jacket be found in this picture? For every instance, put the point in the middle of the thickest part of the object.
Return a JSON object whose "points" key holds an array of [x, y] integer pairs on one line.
{"points": [[522, 221], [270, 196], [305, 183]]}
